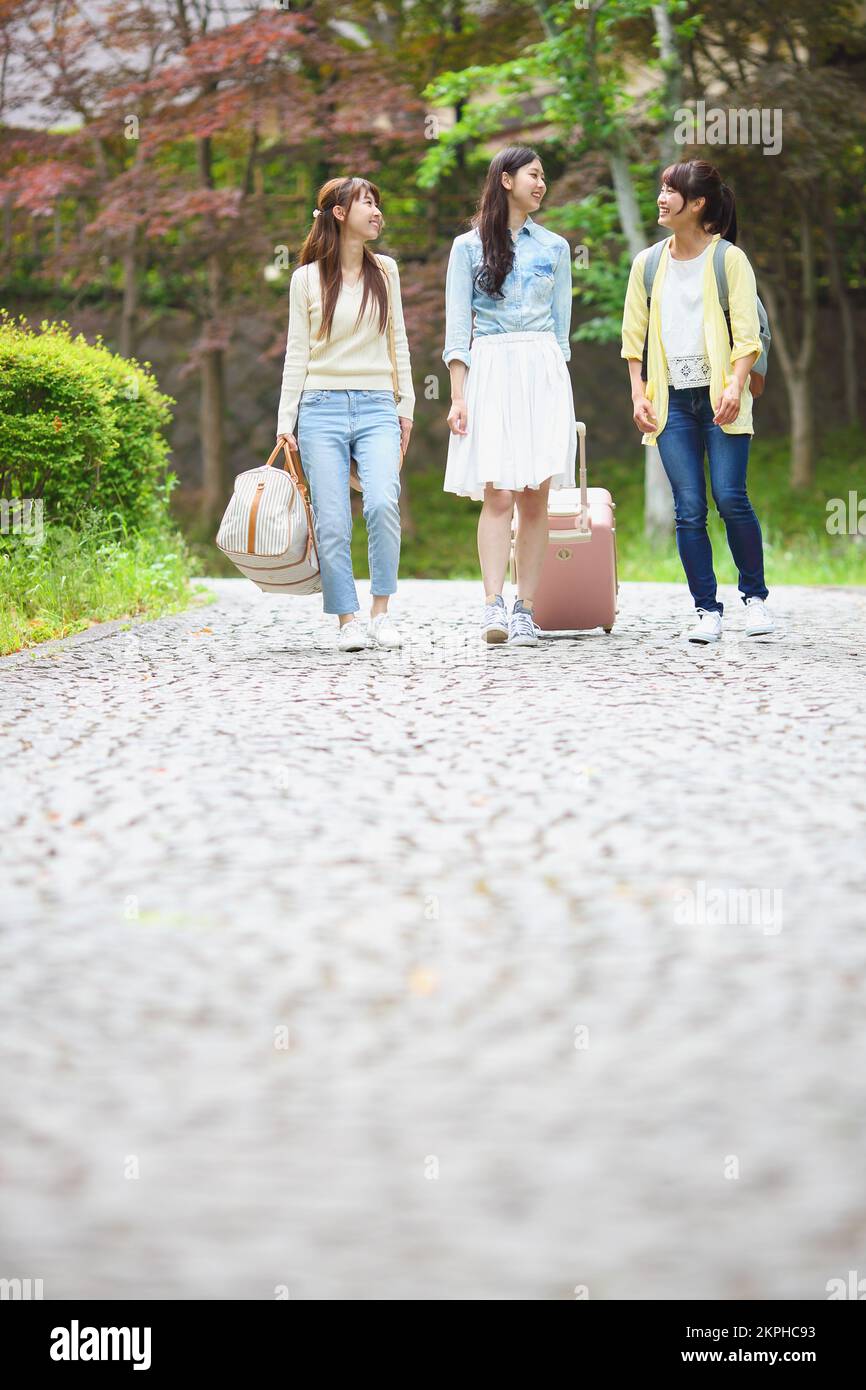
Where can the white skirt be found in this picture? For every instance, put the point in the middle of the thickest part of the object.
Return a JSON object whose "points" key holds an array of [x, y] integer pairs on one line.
{"points": [[520, 427]]}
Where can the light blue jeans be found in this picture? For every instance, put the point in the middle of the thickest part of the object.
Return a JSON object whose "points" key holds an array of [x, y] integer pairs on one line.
{"points": [[332, 425]]}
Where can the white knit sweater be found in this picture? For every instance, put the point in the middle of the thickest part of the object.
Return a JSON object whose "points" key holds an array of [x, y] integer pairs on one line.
{"points": [[352, 358]]}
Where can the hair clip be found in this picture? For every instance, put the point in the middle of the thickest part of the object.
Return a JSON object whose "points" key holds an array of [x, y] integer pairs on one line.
{"points": [[316, 211]]}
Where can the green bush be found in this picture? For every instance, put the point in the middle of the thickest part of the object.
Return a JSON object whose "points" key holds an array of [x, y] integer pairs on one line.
{"points": [[80, 426]]}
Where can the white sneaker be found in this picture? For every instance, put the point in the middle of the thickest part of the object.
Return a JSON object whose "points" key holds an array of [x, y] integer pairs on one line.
{"points": [[352, 636], [759, 619], [708, 628], [384, 632], [494, 628]]}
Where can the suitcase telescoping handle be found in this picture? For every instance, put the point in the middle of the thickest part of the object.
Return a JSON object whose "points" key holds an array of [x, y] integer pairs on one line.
{"points": [[584, 501], [584, 524], [584, 530]]}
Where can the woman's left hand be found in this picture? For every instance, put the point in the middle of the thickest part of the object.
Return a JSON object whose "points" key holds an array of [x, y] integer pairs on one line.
{"points": [[729, 404], [405, 431]]}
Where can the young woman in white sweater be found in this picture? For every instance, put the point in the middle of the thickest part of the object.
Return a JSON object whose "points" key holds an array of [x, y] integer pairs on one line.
{"points": [[347, 388]]}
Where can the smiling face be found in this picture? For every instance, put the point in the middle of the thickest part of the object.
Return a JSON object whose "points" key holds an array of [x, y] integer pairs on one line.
{"points": [[675, 212], [526, 186], [363, 217]]}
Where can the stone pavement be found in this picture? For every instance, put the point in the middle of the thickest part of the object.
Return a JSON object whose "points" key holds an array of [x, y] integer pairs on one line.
{"points": [[452, 973]]}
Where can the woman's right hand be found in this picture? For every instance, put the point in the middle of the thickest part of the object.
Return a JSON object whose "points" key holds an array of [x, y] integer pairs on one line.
{"points": [[644, 415], [288, 439], [458, 418]]}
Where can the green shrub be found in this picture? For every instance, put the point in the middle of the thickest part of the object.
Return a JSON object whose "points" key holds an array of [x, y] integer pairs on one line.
{"points": [[80, 426]]}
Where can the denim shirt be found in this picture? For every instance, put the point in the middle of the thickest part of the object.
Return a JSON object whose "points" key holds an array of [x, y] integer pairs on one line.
{"points": [[537, 291]]}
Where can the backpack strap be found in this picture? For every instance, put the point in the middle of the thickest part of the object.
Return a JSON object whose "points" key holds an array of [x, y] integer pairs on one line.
{"points": [[722, 281], [650, 266], [720, 272]]}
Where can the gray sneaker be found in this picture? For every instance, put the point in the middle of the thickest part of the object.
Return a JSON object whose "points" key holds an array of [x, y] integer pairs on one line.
{"points": [[494, 628], [522, 629]]}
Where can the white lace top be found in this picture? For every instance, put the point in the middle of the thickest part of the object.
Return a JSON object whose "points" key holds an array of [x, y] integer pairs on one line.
{"points": [[682, 321]]}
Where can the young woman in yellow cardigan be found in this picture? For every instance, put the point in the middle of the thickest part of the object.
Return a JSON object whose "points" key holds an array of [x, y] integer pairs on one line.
{"points": [[696, 395]]}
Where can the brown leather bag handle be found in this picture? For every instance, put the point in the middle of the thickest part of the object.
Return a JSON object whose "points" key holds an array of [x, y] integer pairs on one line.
{"points": [[294, 471]]}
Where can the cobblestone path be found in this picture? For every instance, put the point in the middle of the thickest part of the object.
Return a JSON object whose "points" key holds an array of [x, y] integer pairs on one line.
{"points": [[449, 973]]}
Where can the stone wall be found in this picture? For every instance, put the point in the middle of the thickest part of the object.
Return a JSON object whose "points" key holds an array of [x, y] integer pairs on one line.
{"points": [[598, 374]]}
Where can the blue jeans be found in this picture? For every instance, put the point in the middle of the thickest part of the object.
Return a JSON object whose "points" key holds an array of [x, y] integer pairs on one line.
{"points": [[331, 425], [688, 431]]}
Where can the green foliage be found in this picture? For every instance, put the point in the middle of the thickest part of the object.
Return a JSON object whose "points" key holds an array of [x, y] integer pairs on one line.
{"points": [[798, 548], [601, 274], [98, 571], [80, 426]]}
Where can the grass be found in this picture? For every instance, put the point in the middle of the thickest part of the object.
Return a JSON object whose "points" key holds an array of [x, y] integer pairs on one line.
{"points": [[98, 570], [798, 548], [94, 572]]}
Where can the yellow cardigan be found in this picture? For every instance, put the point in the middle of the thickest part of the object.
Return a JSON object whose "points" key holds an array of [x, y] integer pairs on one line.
{"points": [[745, 326]]}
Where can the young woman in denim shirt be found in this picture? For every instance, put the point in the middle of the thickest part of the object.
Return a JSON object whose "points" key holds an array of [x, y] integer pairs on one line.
{"points": [[696, 397], [508, 296], [338, 383]]}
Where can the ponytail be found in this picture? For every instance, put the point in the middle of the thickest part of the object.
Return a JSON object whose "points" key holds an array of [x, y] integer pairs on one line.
{"points": [[728, 216]]}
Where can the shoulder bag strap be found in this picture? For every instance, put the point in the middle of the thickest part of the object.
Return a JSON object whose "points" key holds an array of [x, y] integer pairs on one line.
{"points": [[392, 347]]}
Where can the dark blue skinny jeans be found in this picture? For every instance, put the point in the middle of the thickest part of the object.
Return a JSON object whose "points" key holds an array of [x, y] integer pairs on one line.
{"points": [[688, 432]]}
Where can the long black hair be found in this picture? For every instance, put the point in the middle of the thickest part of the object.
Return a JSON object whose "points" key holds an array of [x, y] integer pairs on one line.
{"points": [[322, 244], [491, 219], [697, 178]]}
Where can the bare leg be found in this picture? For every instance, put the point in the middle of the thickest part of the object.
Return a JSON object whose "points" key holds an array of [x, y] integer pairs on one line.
{"points": [[494, 537], [531, 539]]}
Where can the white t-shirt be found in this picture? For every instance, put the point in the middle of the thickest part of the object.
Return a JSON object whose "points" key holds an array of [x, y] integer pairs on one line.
{"points": [[682, 320]]}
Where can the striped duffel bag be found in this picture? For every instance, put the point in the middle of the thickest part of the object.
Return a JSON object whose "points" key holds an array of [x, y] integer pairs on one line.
{"points": [[267, 530]]}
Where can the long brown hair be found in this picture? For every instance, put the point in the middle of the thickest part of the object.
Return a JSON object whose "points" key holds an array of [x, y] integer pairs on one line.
{"points": [[697, 178], [323, 245], [491, 219]]}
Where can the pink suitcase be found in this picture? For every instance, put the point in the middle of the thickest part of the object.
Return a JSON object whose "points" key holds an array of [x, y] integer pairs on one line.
{"points": [[578, 585]]}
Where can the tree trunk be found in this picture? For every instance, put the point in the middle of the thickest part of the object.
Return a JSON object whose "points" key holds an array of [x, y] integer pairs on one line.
{"points": [[130, 296], [669, 151], [799, 385], [840, 294], [658, 517], [626, 200], [658, 499], [214, 492], [790, 320], [212, 398]]}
